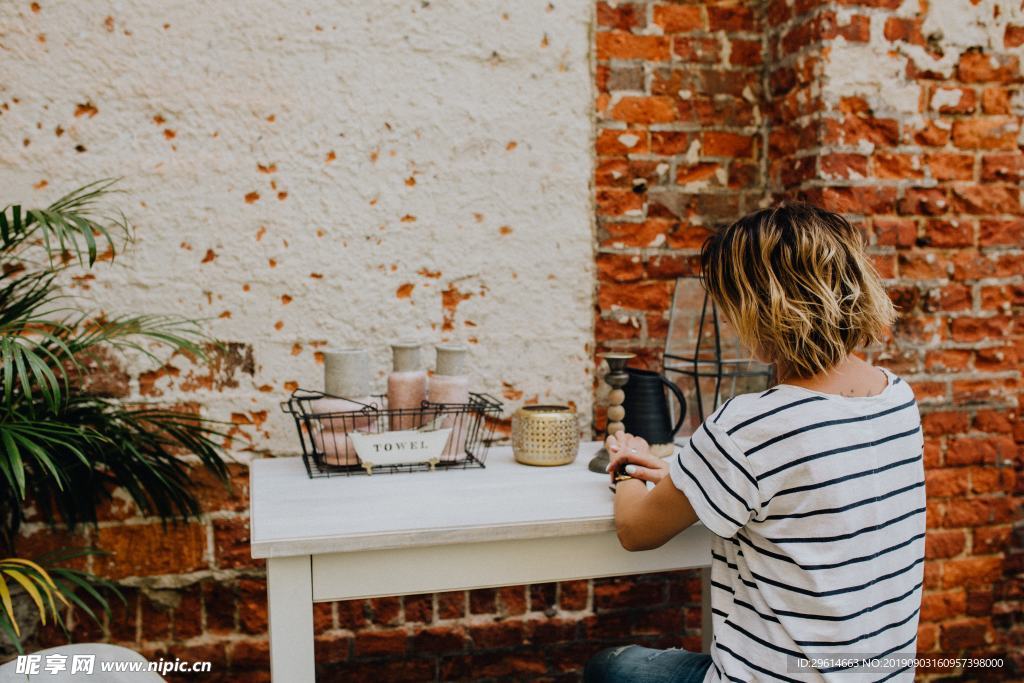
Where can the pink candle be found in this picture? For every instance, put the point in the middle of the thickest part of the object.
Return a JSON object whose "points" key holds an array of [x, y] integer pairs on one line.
{"points": [[450, 384], [337, 447], [407, 384], [332, 426]]}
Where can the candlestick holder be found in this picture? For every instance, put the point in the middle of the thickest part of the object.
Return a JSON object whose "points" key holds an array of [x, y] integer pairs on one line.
{"points": [[616, 378]]}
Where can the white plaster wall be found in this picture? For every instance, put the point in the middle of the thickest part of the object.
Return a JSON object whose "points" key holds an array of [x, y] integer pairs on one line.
{"points": [[877, 70], [444, 145]]}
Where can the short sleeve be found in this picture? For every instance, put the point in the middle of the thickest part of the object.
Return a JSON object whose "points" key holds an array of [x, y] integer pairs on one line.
{"points": [[713, 473]]}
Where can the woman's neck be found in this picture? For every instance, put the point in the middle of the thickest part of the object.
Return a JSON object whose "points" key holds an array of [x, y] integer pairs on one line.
{"points": [[850, 377]]}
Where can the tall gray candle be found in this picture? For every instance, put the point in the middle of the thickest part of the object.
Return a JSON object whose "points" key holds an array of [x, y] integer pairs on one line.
{"points": [[347, 372], [347, 377]]}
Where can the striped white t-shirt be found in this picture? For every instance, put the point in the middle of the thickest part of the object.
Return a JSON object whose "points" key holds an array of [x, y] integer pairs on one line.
{"points": [[818, 508]]}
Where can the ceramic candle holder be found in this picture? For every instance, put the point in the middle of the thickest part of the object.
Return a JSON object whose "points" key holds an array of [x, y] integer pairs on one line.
{"points": [[545, 435]]}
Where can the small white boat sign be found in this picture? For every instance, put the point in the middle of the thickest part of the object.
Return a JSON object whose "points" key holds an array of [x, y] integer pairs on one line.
{"points": [[400, 447]]}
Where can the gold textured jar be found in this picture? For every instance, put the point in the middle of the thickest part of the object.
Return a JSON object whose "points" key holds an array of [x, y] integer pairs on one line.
{"points": [[545, 435]]}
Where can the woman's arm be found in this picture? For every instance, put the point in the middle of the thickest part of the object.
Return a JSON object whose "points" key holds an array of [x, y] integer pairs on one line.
{"points": [[644, 519]]}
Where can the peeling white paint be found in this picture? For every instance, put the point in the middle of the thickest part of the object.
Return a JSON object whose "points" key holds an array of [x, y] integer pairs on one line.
{"points": [[408, 137], [628, 140], [693, 153], [867, 70], [865, 147], [872, 71], [946, 97], [963, 24]]}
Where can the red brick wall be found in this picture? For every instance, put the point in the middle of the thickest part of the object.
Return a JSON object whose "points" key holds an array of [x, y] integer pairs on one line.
{"points": [[680, 148], [936, 190], [703, 112]]}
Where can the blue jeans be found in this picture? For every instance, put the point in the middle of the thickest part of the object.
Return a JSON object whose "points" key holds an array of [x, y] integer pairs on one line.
{"points": [[636, 664]]}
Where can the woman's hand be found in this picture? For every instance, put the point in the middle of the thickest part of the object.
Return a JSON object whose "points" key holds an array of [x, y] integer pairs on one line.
{"points": [[634, 454]]}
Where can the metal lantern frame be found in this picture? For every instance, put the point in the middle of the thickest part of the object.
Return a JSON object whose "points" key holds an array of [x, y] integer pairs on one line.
{"points": [[716, 367]]}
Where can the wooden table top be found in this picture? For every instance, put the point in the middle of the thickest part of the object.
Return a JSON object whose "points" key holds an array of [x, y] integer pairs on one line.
{"points": [[295, 515]]}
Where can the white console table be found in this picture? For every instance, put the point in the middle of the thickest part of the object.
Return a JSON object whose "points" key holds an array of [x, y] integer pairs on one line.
{"points": [[341, 538]]}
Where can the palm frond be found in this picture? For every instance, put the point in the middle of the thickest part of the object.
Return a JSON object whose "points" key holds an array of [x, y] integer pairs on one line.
{"points": [[50, 587], [70, 225], [40, 343], [32, 446], [33, 356], [26, 297], [32, 366], [174, 333], [143, 459], [61, 448]]}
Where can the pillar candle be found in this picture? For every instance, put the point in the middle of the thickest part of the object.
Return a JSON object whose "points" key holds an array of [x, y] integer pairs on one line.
{"points": [[407, 385], [347, 383], [336, 417], [450, 384]]}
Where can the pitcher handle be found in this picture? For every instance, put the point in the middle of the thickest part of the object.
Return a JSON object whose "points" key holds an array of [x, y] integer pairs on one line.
{"points": [[682, 402]]}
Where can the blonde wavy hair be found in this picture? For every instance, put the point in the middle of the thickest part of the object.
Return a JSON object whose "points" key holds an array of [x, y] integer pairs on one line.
{"points": [[795, 282]]}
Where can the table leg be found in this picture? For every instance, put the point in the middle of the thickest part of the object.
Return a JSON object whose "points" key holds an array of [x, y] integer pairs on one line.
{"points": [[290, 613], [705, 606]]}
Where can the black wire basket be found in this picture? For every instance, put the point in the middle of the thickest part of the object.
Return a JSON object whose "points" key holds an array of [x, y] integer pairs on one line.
{"points": [[329, 438]]}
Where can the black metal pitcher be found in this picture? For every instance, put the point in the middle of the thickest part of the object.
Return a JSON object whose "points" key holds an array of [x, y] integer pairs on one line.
{"points": [[647, 408]]}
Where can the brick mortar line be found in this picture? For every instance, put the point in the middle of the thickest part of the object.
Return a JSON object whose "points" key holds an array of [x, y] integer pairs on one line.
{"points": [[675, 61], [912, 184], [675, 127], [704, 34], [214, 515], [177, 581]]}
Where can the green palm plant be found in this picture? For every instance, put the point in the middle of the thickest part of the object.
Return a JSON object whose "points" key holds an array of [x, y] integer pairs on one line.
{"points": [[48, 591], [63, 448]]}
